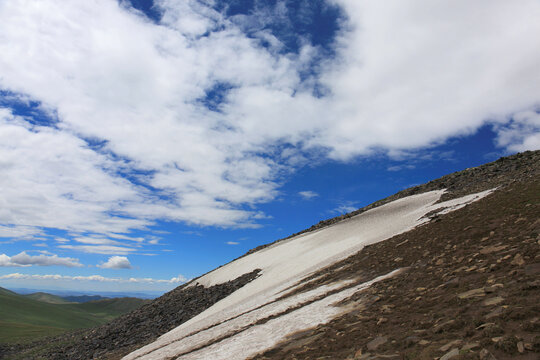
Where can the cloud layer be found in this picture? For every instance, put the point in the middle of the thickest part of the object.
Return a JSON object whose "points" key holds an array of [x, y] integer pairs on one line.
{"points": [[194, 120], [308, 194], [116, 262], [92, 278], [23, 259]]}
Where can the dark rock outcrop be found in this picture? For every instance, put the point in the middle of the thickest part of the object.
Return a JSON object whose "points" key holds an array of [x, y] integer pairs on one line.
{"points": [[133, 330]]}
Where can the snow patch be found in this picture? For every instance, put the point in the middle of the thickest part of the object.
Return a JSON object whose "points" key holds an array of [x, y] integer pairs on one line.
{"points": [[283, 266]]}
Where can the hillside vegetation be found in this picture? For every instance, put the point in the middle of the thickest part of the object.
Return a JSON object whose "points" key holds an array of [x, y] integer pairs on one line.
{"points": [[24, 317], [48, 298], [83, 298]]}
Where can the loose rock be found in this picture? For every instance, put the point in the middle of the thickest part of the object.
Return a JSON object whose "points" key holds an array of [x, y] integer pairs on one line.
{"points": [[452, 353], [518, 260], [493, 301], [378, 341], [472, 293], [446, 347]]}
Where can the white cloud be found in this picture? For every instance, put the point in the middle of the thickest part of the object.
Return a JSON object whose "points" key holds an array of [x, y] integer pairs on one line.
{"points": [[125, 237], [116, 262], [45, 168], [23, 259], [19, 232], [415, 73], [99, 249], [178, 279], [308, 195], [344, 208], [95, 240], [97, 278], [522, 133], [400, 167], [232, 243], [406, 75], [6, 261]]}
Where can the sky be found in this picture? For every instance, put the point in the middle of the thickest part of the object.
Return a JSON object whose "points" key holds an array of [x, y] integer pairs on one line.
{"points": [[144, 143]]}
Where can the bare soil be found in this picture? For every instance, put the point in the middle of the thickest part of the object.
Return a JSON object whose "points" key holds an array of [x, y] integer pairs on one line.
{"points": [[472, 283]]}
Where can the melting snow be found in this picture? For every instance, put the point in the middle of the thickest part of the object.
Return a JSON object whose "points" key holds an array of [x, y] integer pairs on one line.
{"points": [[284, 265]]}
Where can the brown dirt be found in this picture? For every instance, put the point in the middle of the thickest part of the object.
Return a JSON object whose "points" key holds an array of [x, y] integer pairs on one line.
{"points": [[499, 173], [491, 245]]}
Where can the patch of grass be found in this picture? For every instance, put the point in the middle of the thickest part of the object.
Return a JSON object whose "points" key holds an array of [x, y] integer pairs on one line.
{"points": [[19, 332], [24, 318], [48, 298]]}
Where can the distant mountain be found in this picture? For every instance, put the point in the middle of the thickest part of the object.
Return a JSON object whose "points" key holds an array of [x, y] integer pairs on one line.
{"points": [[6, 291], [448, 269], [83, 298], [48, 298], [103, 294], [39, 314]]}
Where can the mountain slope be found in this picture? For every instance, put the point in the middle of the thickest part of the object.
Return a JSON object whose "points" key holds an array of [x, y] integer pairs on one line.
{"points": [[48, 298], [415, 252], [24, 317], [472, 284], [20, 309], [6, 291], [112, 307], [284, 265], [83, 298], [278, 303], [137, 328]]}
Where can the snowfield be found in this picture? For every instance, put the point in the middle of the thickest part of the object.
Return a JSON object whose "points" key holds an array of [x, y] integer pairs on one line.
{"points": [[227, 330]]}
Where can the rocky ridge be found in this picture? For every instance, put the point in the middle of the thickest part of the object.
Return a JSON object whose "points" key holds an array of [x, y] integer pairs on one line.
{"points": [[499, 173], [133, 330], [470, 289], [514, 176]]}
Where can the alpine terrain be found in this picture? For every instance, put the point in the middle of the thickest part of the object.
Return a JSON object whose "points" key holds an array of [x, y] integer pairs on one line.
{"points": [[447, 270]]}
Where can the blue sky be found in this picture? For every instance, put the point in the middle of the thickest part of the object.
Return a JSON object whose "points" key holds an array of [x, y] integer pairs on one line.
{"points": [[143, 143]]}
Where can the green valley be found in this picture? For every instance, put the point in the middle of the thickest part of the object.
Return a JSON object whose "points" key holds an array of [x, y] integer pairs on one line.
{"points": [[26, 317]]}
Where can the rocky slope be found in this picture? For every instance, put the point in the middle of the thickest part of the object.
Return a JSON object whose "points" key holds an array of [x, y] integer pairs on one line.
{"points": [[469, 288], [129, 331], [499, 173]]}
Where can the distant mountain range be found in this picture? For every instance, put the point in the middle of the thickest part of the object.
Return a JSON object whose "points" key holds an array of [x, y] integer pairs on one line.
{"points": [[49, 298], [448, 269], [84, 298], [102, 294], [26, 317]]}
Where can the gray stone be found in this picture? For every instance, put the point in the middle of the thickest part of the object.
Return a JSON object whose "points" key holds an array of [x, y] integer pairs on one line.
{"points": [[470, 346], [493, 301], [446, 347], [452, 353], [480, 292], [375, 343], [518, 260], [486, 355], [496, 312]]}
